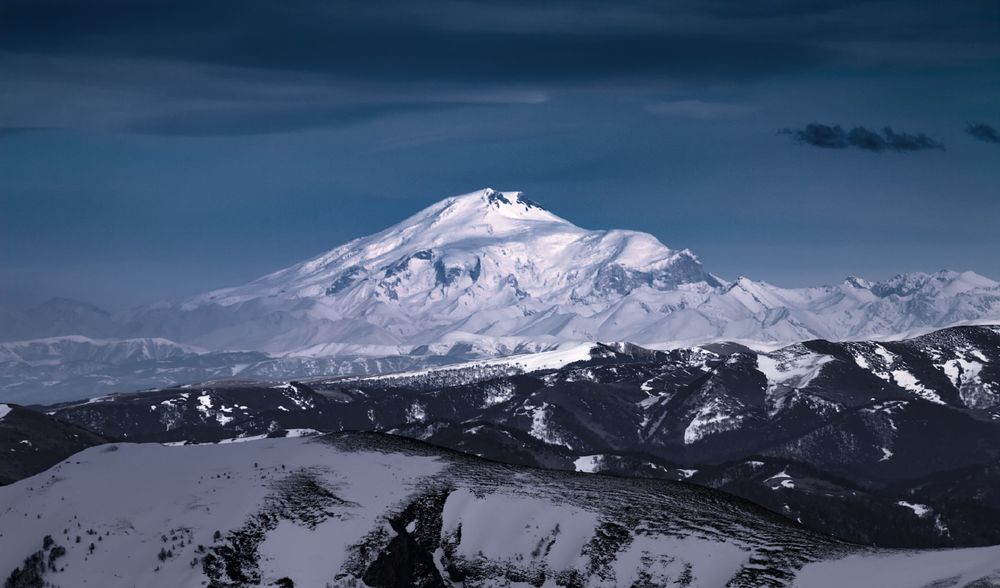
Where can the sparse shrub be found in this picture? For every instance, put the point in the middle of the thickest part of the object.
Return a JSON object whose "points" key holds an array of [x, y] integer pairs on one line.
{"points": [[57, 552], [30, 574]]}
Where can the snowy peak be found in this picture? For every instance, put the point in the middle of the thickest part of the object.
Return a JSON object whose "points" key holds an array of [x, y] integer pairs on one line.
{"points": [[512, 203], [484, 213], [943, 282], [480, 251], [857, 282]]}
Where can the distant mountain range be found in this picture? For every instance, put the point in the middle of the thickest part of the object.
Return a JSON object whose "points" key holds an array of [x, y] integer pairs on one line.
{"points": [[481, 275], [886, 443]]}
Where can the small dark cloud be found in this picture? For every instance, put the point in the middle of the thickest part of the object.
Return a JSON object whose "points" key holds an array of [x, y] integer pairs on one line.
{"points": [[835, 137], [983, 132]]}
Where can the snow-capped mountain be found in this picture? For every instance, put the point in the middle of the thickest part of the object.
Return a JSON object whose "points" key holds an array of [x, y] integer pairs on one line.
{"points": [[492, 273], [490, 270], [374, 510], [494, 270]]}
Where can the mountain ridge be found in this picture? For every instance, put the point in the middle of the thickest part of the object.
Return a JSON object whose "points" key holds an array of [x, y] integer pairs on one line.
{"points": [[789, 429]]}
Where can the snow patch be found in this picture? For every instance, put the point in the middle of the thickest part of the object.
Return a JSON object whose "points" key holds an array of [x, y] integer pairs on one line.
{"points": [[713, 417], [782, 479], [416, 413], [540, 428], [788, 371], [506, 528], [587, 463], [908, 381], [921, 510]]}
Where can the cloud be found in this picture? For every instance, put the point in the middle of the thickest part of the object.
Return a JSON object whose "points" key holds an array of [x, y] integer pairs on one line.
{"points": [[835, 137], [404, 52], [699, 109], [217, 122], [155, 97], [983, 132], [168, 66], [435, 42]]}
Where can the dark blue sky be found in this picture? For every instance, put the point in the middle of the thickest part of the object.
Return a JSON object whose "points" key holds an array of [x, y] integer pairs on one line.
{"points": [[155, 149]]}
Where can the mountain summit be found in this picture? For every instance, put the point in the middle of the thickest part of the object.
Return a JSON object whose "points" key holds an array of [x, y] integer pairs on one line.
{"points": [[481, 250]]}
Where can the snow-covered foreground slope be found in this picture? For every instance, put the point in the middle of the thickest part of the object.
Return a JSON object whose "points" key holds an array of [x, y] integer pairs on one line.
{"points": [[373, 510], [969, 568]]}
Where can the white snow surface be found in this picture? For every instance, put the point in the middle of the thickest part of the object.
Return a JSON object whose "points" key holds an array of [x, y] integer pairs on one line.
{"points": [[494, 274], [946, 567], [200, 488], [587, 463], [4, 410], [715, 416], [781, 480], [787, 371], [921, 510], [909, 382], [964, 371], [561, 356]]}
